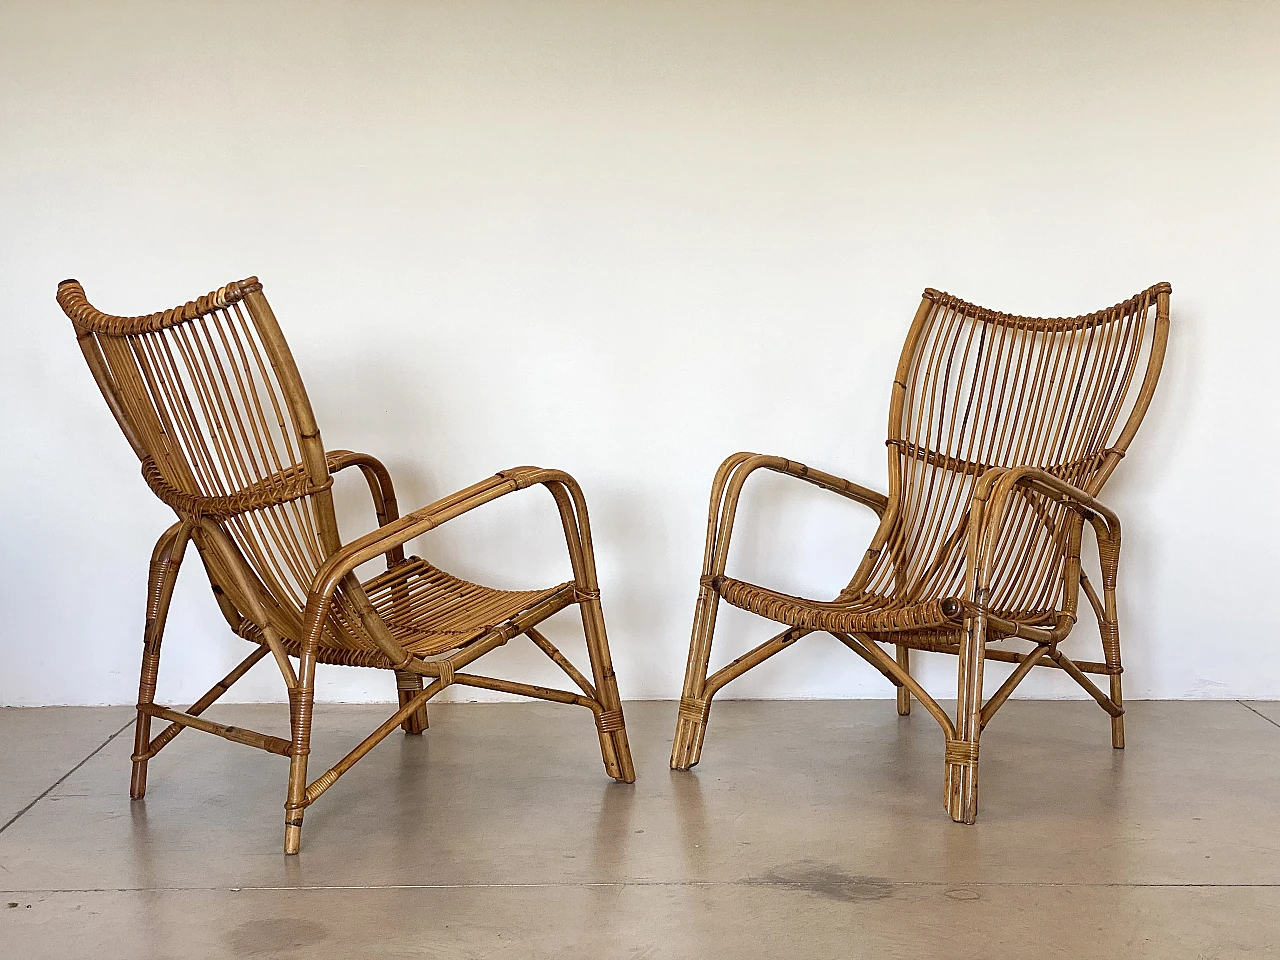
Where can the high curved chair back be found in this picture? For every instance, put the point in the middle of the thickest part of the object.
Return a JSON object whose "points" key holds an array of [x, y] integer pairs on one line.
{"points": [[977, 390], [212, 403]]}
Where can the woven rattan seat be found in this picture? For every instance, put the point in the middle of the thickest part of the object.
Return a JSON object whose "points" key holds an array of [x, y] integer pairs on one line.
{"points": [[210, 399], [1002, 431], [429, 612], [865, 614], [432, 612]]}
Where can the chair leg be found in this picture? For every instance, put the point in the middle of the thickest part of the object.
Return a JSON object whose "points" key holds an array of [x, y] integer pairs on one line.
{"points": [[904, 695], [1117, 723], [691, 724], [409, 685], [1109, 628], [1111, 650], [166, 558], [615, 749], [301, 704], [962, 752], [610, 724]]}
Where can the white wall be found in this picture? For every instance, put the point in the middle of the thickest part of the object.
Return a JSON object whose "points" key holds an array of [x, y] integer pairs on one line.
{"points": [[627, 239]]}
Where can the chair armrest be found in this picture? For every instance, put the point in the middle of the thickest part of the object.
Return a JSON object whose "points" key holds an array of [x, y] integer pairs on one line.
{"points": [[987, 514], [828, 481], [377, 476], [403, 529], [744, 464], [381, 489], [995, 485], [727, 487], [340, 567]]}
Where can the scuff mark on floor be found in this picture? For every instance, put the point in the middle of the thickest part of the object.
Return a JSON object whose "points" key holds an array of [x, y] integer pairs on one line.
{"points": [[827, 880]]}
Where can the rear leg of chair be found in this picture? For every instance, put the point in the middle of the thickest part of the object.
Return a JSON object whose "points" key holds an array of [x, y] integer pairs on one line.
{"points": [[408, 686], [1109, 627], [904, 695], [695, 706], [1104, 608], [961, 790], [166, 558], [1111, 650]]}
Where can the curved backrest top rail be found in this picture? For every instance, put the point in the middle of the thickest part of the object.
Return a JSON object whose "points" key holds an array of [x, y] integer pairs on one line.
{"points": [[87, 318], [977, 312]]}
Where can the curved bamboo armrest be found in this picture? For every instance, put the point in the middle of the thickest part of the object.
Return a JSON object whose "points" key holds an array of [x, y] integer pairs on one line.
{"points": [[396, 533], [987, 515], [727, 487], [996, 484], [744, 464], [829, 481], [380, 489]]}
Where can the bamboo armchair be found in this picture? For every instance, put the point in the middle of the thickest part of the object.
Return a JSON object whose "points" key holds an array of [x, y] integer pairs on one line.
{"points": [[1002, 431], [210, 399]]}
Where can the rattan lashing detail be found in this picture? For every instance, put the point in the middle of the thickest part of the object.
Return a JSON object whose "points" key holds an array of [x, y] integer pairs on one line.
{"points": [[210, 399], [86, 317], [1058, 324], [1002, 431], [609, 721], [693, 709], [292, 485], [962, 752]]}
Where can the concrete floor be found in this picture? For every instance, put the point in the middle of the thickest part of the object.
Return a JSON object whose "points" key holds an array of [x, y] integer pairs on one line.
{"points": [[810, 830]]}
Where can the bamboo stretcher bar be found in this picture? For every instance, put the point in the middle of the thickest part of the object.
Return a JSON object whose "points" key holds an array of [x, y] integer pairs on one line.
{"points": [[752, 658], [527, 690], [330, 776], [203, 704], [250, 738]]}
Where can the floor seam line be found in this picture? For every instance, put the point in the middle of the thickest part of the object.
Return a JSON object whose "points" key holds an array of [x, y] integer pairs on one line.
{"points": [[947, 884], [1258, 712], [62, 779]]}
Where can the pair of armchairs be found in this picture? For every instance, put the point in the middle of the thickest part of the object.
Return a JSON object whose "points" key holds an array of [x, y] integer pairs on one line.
{"points": [[1002, 431]]}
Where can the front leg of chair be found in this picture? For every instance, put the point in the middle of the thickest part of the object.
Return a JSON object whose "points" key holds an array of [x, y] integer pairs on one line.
{"points": [[166, 558], [695, 707], [961, 789], [615, 748], [1117, 723], [301, 704]]}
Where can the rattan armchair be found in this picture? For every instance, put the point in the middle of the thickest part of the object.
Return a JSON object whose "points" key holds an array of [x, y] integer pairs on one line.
{"points": [[211, 401], [1002, 431]]}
